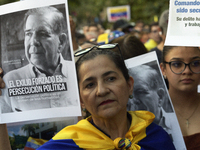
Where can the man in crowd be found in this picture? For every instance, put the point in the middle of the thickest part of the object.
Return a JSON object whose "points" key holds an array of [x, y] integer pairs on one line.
{"points": [[44, 42], [163, 23], [154, 36], [92, 32], [139, 26], [123, 25]]}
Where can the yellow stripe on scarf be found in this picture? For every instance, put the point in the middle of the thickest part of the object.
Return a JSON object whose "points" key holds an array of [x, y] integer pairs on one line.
{"points": [[86, 136]]}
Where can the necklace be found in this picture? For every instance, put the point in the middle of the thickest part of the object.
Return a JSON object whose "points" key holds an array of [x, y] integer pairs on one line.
{"points": [[187, 119]]}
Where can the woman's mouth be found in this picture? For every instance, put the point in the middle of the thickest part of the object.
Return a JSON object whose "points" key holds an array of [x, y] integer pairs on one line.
{"points": [[187, 81], [106, 102]]}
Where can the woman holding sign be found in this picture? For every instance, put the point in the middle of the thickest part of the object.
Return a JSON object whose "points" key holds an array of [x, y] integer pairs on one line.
{"points": [[181, 67], [105, 87]]}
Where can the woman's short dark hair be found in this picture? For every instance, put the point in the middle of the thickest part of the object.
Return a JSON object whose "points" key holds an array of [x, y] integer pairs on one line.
{"points": [[113, 56], [130, 46], [165, 51]]}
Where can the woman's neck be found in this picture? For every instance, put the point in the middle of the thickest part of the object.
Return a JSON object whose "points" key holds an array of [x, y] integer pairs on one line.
{"points": [[115, 127], [186, 105], [184, 100]]}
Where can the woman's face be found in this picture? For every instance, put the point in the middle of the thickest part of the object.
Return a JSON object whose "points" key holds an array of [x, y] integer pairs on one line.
{"points": [[103, 89], [186, 81]]}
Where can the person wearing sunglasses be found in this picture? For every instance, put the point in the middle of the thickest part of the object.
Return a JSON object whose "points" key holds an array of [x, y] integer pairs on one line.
{"points": [[105, 87], [181, 67]]}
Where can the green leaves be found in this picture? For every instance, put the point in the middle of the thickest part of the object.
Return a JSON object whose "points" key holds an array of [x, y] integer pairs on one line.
{"points": [[7, 1], [87, 10]]}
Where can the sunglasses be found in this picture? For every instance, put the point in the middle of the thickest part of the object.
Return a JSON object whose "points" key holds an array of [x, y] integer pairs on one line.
{"points": [[98, 47]]}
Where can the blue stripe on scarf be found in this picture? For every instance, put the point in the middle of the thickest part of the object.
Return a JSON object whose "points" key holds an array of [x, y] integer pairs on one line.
{"points": [[156, 139], [60, 145]]}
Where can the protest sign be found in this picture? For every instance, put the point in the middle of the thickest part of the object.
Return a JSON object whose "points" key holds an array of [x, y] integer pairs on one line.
{"points": [[184, 23], [38, 63], [150, 93], [118, 12]]}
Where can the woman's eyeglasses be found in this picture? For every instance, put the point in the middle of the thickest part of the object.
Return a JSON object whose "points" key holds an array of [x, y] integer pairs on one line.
{"points": [[99, 47], [178, 67]]}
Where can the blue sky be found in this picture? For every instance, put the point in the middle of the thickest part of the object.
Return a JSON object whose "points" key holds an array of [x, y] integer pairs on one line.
{"points": [[15, 130]]}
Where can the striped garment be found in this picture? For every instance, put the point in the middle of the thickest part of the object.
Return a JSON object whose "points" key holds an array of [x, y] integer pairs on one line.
{"points": [[142, 135], [34, 143]]}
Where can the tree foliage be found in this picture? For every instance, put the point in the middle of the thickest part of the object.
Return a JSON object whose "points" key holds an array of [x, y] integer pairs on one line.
{"points": [[86, 11], [17, 141], [7, 1], [30, 128]]}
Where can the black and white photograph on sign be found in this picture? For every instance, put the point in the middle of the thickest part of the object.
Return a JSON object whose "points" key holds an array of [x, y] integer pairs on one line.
{"points": [[36, 57], [150, 93]]}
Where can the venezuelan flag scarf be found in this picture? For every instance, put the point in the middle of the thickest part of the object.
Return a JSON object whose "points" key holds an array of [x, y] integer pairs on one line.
{"points": [[142, 135], [34, 143]]}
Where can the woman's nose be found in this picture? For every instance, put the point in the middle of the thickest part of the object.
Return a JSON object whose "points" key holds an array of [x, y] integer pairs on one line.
{"points": [[187, 69], [102, 89]]}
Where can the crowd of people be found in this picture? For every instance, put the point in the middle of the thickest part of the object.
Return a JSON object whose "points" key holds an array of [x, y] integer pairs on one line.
{"points": [[105, 87], [151, 36]]}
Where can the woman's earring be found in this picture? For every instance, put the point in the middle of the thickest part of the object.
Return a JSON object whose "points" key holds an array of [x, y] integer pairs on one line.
{"points": [[84, 109], [165, 76], [130, 96]]}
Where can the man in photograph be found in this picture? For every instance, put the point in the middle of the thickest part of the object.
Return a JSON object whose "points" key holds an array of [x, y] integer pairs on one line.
{"points": [[149, 94], [44, 42]]}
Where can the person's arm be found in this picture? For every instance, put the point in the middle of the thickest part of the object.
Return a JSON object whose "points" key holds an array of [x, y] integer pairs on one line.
{"points": [[73, 33], [4, 138]]}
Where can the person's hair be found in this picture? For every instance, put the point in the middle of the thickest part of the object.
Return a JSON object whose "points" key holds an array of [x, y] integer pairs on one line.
{"points": [[120, 41], [133, 47], [130, 46], [163, 21], [58, 23], [152, 76], [139, 21], [113, 56], [93, 25], [80, 38], [166, 50], [153, 24]]}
